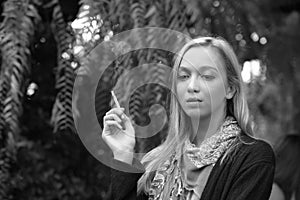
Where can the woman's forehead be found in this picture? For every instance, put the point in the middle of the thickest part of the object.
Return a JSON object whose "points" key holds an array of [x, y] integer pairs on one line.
{"points": [[198, 57]]}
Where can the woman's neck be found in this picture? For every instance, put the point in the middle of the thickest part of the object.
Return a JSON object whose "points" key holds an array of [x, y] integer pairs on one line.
{"points": [[205, 127]]}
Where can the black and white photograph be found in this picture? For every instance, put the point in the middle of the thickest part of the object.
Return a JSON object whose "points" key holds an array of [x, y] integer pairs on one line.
{"points": [[150, 100]]}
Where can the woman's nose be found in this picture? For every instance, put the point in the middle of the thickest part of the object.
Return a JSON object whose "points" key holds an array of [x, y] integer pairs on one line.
{"points": [[194, 85]]}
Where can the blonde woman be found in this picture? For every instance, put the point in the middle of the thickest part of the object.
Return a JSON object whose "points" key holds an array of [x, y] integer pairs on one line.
{"points": [[209, 152]]}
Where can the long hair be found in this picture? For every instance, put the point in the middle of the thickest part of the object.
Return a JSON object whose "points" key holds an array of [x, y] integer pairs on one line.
{"points": [[179, 125]]}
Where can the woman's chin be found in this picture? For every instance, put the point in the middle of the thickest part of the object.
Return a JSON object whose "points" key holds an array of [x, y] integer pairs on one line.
{"points": [[194, 114]]}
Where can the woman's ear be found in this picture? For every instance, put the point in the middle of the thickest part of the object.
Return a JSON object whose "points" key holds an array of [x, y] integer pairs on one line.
{"points": [[230, 92]]}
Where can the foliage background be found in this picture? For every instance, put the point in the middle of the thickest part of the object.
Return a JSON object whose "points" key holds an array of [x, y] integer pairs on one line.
{"points": [[42, 157]]}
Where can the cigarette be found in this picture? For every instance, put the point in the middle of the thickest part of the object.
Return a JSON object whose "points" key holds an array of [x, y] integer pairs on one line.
{"points": [[115, 99]]}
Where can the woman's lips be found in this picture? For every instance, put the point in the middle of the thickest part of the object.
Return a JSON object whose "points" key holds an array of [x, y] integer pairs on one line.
{"points": [[193, 100]]}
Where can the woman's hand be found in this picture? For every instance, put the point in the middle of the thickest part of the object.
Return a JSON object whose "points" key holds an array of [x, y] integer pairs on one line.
{"points": [[119, 134]]}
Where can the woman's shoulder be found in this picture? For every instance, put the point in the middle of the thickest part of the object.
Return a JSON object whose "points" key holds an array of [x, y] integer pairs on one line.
{"points": [[255, 150]]}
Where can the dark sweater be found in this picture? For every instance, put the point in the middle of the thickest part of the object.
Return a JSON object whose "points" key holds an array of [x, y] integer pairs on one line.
{"points": [[248, 174]]}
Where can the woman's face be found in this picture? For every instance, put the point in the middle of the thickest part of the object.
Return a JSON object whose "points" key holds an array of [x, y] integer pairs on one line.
{"points": [[202, 82]]}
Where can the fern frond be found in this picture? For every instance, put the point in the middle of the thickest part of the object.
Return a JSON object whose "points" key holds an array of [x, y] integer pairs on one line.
{"points": [[4, 89], [177, 20], [138, 11], [17, 29], [62, 117]]}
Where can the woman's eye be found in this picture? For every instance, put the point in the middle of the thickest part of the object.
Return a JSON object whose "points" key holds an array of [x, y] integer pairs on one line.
{"points": [[183, 76], [208, 77]]}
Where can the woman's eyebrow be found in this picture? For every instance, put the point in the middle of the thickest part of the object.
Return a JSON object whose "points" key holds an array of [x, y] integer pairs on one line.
{"points": [[209, 68], [184, 68]]}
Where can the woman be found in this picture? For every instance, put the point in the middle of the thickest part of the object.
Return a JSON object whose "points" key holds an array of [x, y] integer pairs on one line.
{"points": [[286, 185], [209, 152]]}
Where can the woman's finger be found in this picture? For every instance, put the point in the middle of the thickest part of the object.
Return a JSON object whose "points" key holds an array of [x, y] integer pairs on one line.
{"points": [[112, 117], [117, 111], [111, 123], [127, 121]]}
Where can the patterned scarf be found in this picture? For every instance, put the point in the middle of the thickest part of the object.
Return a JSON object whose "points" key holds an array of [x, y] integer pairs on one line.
{"points": [[169, 182]]}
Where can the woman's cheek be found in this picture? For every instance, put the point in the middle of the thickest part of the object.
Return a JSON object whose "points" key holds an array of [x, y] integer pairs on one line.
{"points": [[180, 93], [216, 92]]}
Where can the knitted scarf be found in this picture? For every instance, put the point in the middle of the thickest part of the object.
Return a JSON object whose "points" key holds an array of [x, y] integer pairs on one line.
{"points": [[169, 182]]}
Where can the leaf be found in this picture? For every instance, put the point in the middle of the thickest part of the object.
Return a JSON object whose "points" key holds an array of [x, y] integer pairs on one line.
{"points": [[62, 116]]}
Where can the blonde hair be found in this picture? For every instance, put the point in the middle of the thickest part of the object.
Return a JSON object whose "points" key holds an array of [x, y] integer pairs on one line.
{"points": [[178, 124]]}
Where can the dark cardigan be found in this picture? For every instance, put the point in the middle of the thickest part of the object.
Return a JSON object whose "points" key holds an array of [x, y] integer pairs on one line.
{"points": [[248, 174]]}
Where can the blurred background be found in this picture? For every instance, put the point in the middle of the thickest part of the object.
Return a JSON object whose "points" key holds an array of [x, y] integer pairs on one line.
{"points": [[44, 43]]}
